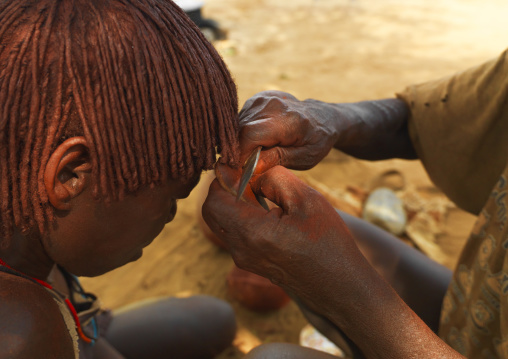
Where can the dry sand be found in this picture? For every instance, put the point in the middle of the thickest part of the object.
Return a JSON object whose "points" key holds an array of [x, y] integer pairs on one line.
{"points": [[332, 50]]}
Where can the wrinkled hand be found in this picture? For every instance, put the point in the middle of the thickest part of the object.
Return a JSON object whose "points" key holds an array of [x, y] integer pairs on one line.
{"points": [[295, 134], [303, 245]]}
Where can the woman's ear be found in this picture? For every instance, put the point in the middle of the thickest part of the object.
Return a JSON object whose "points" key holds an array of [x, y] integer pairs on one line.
{"points": [[67, 172]]}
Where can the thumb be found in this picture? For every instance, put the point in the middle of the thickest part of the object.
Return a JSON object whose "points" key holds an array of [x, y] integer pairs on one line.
{"points": [[285, 189], [225, 215]]}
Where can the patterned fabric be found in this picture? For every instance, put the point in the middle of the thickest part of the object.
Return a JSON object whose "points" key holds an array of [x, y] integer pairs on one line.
{"points": [[459, 127], [474, 318]]}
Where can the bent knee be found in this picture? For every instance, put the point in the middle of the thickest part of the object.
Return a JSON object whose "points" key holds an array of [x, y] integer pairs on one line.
{"points": [[214, 310], [216, 317]]}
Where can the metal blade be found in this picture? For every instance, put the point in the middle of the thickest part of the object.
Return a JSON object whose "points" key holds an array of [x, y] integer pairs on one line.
{"points": [[248, 170], [262, 202]]}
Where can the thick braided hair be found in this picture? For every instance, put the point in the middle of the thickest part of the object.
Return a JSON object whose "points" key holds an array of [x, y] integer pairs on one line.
{"points": [[136, 78]]}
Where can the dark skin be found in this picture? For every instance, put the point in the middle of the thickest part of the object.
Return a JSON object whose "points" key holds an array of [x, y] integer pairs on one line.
{"points": [[27, 312], [384, 296], [90, 237], [299, 134]]}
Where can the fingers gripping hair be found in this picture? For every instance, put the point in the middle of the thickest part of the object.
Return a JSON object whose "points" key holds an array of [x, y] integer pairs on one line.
{"points": [[136, 78]]}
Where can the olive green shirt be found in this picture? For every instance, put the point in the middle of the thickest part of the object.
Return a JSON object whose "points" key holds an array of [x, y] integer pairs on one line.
{"points": [[459, 127]]}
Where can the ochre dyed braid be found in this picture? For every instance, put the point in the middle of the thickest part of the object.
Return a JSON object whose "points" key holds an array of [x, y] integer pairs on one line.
{"points": [[136, 78]]}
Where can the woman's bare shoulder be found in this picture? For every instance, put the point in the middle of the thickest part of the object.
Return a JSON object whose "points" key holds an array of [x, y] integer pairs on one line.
{"points": [[32, 325]]}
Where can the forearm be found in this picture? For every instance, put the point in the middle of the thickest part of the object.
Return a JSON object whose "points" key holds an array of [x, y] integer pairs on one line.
{"points": [[418, 280], [382, 325], [373, 130]]}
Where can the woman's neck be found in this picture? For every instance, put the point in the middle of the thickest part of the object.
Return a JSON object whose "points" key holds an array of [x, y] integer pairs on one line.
{"points": [[26, 254]]}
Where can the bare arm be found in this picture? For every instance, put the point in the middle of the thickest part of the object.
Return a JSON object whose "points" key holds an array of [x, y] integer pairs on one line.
{"points": [[384, 300], [298, 134], [417, 279], [381, 324], [306, 247], [374, 130]]}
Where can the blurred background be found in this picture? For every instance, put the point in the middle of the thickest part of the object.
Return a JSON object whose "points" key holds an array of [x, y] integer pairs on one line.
{"points": [[336, 51]]}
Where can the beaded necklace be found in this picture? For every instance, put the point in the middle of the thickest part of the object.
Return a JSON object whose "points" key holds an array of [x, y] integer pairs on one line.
{"points": [[70, 306]]}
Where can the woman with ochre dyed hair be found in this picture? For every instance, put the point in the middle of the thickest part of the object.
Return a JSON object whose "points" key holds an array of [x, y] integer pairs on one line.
{"points": [[109, 111]]}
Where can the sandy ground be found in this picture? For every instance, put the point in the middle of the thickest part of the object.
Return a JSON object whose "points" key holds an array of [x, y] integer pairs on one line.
{"points": [[332, 50]]}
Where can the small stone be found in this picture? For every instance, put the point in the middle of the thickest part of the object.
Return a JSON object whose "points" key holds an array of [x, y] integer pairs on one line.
{"points": [[384, 209], [310, 337]]}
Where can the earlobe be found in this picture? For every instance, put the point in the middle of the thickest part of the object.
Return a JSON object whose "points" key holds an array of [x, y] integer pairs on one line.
{"points": [[66, 172]]}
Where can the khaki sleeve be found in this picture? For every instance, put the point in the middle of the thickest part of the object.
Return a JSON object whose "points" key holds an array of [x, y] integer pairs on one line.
{"points": [[459, 128]]}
